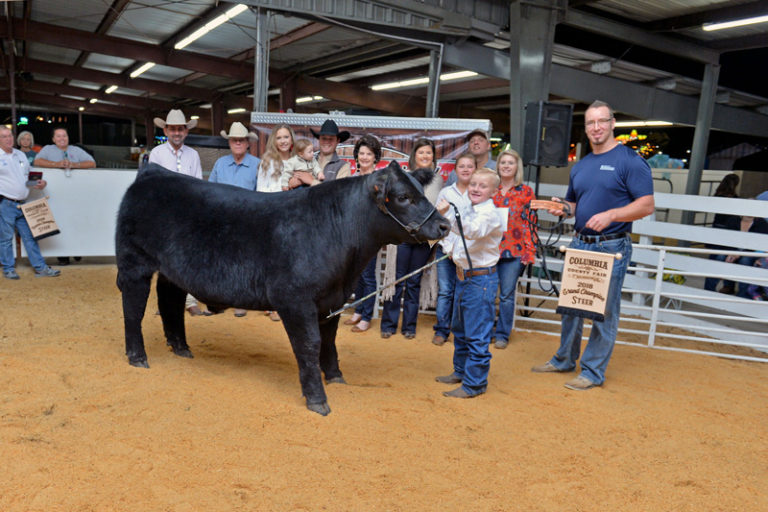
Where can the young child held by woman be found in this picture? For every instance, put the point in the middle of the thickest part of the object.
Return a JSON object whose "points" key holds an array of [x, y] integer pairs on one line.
{"points": [[303, 160]]}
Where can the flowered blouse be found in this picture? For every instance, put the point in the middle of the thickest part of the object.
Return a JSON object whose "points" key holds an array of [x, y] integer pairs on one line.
{"points": [[517, 241]]}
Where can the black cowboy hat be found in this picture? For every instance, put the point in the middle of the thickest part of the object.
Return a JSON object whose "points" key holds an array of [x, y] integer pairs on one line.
{"points": [[330, 128]]}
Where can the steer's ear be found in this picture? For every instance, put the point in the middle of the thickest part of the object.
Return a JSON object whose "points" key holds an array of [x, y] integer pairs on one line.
{"points": [[423, 176], [379, 187]]}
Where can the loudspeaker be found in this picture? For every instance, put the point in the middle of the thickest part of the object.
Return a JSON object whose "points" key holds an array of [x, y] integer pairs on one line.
{"points": [[547, 134]]}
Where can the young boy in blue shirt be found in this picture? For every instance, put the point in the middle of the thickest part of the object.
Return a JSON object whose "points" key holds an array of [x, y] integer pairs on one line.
{"points": [[475, 293]]}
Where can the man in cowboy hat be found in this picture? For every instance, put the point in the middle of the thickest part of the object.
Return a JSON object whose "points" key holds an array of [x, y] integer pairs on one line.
{"points": [[174, 155], [329, 137], [240, 168]]}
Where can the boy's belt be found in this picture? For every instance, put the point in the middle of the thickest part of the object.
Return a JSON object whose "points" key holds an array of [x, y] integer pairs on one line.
{"points": [[601, 238], [464, 274]]}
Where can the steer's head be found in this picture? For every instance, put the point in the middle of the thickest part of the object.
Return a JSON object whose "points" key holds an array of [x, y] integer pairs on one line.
{"points": [[400, 195]]}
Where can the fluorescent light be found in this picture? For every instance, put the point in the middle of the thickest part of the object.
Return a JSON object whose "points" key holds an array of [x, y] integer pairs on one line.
{"points": [[94, 100], [307, 99], [215, 22], [80, 108], [735, 23], [235, 111], [141, 69], [628, 124], [194, 117], [111, 89], [423, 80]]}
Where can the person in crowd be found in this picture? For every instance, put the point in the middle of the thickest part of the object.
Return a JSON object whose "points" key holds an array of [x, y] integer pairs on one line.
{"points": [[367, 154], [62, 155], [279, 149], [726, 188], [763, 196], [409, 257], [473, 309], [303, 161], [607, 190], [446, 269], [758, 291], [328, 138], [238, 168], [14, 190], [748, 224], [176, 156], [516, 249], [479, 145], [26, 142]]}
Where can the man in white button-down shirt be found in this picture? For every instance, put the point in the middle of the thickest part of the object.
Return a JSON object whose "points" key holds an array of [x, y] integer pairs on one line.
{"points": [[176, 157]]}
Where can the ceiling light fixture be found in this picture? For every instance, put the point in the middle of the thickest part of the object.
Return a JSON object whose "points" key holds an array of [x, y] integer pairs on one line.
{"points": [[94, 100], [236, 111], [307, 99], [215, 22], [142, 69], [423, 80], [111, 89], [194, 117], [630, 124], [80, 108], [735, 23]]}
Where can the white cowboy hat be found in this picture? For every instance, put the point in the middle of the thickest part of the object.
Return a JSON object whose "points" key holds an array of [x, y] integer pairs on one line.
{"points": [[175, 118], [239, 131]]}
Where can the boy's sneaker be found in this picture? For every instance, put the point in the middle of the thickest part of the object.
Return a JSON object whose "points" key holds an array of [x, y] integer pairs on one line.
{"points": [[10, 274], [47, 272]]}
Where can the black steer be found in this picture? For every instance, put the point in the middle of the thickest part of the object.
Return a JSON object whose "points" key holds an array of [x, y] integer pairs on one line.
{"points": [[299, 253]]}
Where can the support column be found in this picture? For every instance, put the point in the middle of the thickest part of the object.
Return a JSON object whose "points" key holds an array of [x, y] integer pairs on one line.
{"points": [[149, 129], [532, 29], [701, 134], [433, 89], [217, 116], [80, 127], [261, 61], [287, 96]]}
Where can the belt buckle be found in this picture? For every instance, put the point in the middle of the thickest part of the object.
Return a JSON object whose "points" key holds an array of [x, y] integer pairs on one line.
{"points": [[459, 273]]}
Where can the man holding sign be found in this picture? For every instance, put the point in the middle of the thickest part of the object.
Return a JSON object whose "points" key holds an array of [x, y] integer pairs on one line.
{"points": [[14, 168], [607, 190]]}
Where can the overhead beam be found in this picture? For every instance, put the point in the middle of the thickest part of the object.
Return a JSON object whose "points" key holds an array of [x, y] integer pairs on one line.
{"points": [[631, 98], [628, 33], [112, 15], [86, 41], [121, 99], [73, 105], [696, 19], [740, 43]]}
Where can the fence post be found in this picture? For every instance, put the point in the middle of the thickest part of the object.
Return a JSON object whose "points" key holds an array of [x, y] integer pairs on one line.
{"points": [[656, 296]]}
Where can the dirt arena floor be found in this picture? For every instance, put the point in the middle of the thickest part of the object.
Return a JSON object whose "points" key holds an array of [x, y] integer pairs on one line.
{"points": [[81, 430]]}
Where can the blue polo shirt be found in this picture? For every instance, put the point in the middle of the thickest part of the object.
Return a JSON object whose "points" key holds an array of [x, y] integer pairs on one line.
{"points": [[242, 175], [608, 180]]}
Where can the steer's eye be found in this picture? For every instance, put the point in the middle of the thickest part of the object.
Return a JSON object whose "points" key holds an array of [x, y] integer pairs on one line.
{"points": [[402, 198]]}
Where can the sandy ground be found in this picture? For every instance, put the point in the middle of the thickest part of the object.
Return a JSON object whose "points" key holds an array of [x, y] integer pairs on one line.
{"points": [[81, 430]]}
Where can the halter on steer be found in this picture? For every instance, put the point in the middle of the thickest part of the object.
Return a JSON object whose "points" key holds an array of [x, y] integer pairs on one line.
{"points": [[412, 227]]}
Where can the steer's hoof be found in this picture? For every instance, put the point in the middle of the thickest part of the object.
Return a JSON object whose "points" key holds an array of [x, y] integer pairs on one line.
{"points": [[139, 363], [321, 409], [183, 352], [336, 380]]}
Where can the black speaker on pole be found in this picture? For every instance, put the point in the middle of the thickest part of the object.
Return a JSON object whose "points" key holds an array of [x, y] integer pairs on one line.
{"points": [[547, 134]]}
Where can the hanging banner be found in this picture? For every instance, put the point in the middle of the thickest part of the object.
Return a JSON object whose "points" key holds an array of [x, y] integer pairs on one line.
{"points": [[40, 218], [585, 284]]}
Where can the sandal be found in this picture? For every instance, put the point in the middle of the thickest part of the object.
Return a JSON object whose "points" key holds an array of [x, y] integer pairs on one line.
{"points": [[274, 316], [353, 319], [365, 326]]}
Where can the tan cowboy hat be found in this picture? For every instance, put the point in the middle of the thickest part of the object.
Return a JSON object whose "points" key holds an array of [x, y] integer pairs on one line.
{"points": [[175, 118], [239, 131]]}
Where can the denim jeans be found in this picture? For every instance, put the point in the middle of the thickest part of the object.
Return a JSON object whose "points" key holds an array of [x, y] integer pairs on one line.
{"points": [[509, 272], [446, 284], [12, 220], [409, 258], [710, 283], [365, 285], [473, 312], [602, 336]]}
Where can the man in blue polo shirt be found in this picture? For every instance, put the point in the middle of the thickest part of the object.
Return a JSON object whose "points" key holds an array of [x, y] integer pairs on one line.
{"points": [[607, 190], [240, 168]]}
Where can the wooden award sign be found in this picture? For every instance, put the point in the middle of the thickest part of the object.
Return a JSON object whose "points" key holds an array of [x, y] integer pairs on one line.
{"points": [[40, 218], [585, 283]]}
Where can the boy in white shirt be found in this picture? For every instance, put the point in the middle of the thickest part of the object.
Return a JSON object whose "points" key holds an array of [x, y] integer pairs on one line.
{"points": [[475, 294], [303, 160]]}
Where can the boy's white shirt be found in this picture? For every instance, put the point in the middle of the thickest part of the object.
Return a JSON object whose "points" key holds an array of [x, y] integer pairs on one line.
{"points": [[452, 194], [483, 225]]}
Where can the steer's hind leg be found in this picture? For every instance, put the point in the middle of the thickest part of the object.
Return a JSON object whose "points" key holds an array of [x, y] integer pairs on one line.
{"points": [[170, 302], [329, 357], [135, 290], [302, 329]]}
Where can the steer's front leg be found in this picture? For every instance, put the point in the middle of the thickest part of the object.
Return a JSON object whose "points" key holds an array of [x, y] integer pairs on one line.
{"points": [[304, 334]]}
